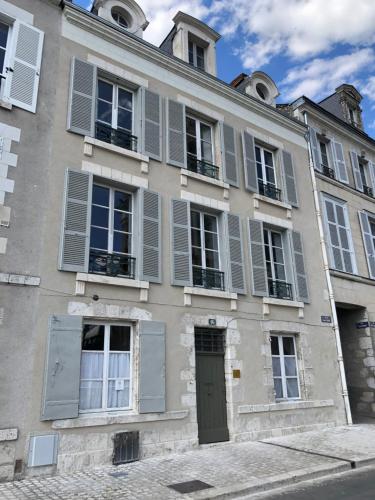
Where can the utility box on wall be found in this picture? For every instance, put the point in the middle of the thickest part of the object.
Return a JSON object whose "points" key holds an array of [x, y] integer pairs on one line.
{"points": [[43, 450]]}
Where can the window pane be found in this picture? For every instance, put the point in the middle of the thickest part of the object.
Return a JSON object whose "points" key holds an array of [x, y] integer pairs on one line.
{"points": [[92, 365], [196, 237], [93, 338], [340, 215], [337, 259], [276, 240], [99, 216], [347, 261], [191, 53], [206, 133], [4, 28], [206, 151], [2, 57], [191, 144], [280, 272], [270, 175], [123, 201], [105, 91], [100, 195], [276, 367], [99, 238], [118, 398], [344, 238], [121, 242], [257, 154], [210, 241], [333, 234], [288, 346], [275, 345], [290, 367], [122, 221], [125, 99], [90, 395], [278, 388], [124, 119], [200, 51], [195, 219], [119, 365], [190, 126], [120, 338], [210, 223], [196, 256], [292, 388], [104, 112], [278, 256], [268, 158], [212, 259]]}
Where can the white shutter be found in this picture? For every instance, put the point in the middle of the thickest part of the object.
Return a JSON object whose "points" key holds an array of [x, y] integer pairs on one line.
{"points": [[356, 171], [23, 76], [368, 242], [315, 150], [339, 160]]}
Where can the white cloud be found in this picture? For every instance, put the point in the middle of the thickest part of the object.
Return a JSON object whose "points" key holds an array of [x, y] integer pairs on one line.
{"points": [[319, 77], [368, 88]]}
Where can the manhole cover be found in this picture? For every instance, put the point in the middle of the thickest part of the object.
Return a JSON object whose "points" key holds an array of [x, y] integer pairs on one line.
{"points": [[118, 474], [190, 486]]}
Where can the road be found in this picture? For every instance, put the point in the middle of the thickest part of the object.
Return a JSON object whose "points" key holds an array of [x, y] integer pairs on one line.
{"points": [[358, 484]]}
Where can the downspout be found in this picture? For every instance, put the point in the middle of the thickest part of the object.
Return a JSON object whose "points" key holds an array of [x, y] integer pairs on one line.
{"points": [[335, 323]]}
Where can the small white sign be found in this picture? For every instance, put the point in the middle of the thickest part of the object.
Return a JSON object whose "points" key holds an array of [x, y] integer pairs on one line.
{"points": [[119, 384]]}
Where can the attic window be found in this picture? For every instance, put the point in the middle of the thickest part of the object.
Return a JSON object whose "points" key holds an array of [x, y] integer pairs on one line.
{"points": [[120, 17], [262, 91]]}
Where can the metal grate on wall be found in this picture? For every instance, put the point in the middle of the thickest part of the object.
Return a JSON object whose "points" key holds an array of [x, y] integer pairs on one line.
{"points": [[209, 340], [125, 447]]}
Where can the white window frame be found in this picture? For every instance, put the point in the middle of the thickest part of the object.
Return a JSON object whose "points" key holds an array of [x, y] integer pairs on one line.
{"points": [[202, 231], [8, 51], [115, 89], [326, 145], [198, 138], [284, 377], [111, 209], [263, 165], [195, 45], [364, 169], [270, 231], [343, 204], [107, 330]]}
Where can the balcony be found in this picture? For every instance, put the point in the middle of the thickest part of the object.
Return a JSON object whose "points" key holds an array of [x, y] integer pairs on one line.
{"points": [[280, 290], [368, 191], [328, 172], [202, 167], [101, 262], [208, 278], [117, 137], [269, 190]]}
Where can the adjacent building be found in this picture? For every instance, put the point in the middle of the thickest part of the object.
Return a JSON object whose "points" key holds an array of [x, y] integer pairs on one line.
{"points": [[162, 278]]}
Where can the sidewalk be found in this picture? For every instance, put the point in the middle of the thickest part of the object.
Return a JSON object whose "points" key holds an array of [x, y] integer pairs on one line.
{"points": [[230, 469]]}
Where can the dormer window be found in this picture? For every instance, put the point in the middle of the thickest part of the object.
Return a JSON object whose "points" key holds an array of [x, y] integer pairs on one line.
{"points": [[262, 91], [196, 55], [120, 18]]}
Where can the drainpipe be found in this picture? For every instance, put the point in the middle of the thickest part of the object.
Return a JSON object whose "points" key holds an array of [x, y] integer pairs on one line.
{"points": [[329, 282]]}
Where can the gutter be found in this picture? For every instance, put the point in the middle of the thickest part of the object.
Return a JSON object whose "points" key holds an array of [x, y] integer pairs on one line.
{"points": [[335, 323]]}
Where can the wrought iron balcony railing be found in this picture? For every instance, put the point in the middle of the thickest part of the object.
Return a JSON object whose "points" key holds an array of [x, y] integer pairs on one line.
{"points": [[111, 264], [328, 172], [117, 137], [202, 167], [269, 190], [280, 290], [208, 278], [368, 190]]}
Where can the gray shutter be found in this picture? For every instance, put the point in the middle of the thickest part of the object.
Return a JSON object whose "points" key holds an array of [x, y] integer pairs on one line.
{"points": [[236, 260], [181, 243], [22, 81], [315, 149], [75, 237], [339, 159], [152, 125], [302, 293], [151, 367], [251, 177], [81, 112], [62, 370], [229, 157], [368, 242], [258, 262], [151, 236], [289, 179], [176, 145], [356, 172]]}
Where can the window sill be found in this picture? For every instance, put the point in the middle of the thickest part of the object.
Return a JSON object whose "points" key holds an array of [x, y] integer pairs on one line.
{"points": [[6, 105], [215, 182], [344, 186], [97, 419], [268, 301], [83, 278], [285, 406], [259, 197], [352, 277], [205, 292], [90, 142]]}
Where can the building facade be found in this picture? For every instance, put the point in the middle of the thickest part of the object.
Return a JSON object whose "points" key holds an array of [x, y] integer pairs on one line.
{"points": [[162, 280]]}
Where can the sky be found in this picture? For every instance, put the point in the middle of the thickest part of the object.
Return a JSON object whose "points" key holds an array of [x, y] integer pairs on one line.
{"points": [[308, 47]]}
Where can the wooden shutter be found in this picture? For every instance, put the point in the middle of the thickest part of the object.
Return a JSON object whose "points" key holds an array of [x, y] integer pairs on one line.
{"points": [[229, 156], [62, 370], [302, 293], [236, 260], [23, 78], [151, 236], [250, 167], [368, 242], [258, 262], [151, 367], [289, 179], [356, 172], [152, 125], [81, 112], [75, 238], [176, 126], [315, 149], [181, 243], [339, 160]]}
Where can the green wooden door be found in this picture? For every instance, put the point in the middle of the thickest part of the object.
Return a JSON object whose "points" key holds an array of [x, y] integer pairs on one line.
{"points": [[211, 396]]}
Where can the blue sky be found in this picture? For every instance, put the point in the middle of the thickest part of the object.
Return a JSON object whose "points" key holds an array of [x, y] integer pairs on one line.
{"points": [[308, 47]]}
